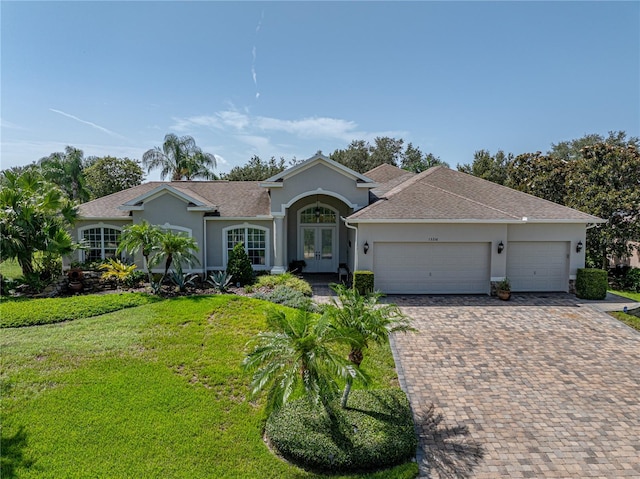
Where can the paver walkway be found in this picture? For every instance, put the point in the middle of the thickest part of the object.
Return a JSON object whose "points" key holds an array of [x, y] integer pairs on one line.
{"points": [[534, 387]]}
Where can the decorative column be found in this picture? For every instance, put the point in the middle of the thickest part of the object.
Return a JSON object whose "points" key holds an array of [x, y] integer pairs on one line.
{"points": [[278, 242]]}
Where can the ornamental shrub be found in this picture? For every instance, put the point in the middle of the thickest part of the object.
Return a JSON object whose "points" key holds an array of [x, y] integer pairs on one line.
{"points": [[375, 432], [288, 297], [363, 281], [239, 266], [591, 283]]}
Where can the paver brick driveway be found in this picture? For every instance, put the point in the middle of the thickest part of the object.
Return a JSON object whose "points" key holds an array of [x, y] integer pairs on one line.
{"points": [[544, 387]]}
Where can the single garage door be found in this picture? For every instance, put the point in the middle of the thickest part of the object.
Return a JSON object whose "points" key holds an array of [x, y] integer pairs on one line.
{"points": [[432, 268], [538, 266]]}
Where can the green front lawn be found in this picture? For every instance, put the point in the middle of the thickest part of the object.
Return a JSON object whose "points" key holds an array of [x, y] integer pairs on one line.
{"points": [[151, 391], [627, 294]]}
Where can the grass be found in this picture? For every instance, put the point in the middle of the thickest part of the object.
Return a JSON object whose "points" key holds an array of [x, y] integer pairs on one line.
{"points": [[628, 319], [10, 269], [627, 294], [20, 312], [153, 391]]}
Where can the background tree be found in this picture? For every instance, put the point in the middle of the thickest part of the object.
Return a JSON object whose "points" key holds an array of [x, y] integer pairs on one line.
{"points": [[107, 175], [66, 170], [180, 158], [415, 161], [385, 150], [35, 217], [255, 170], [356, 156], [488, 167], [605, 182], [540, 175]]}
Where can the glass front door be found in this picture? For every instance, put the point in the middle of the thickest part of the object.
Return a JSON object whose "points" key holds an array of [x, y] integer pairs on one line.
{"points": [[318, 248]]}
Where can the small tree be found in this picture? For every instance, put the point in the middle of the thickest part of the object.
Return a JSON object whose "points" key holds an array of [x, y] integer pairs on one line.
{"points": [[297, 357], [239, 265], [143, 237], [175, 247], [360, 319]]}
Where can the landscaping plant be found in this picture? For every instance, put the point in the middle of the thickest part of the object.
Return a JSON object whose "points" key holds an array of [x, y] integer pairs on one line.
{"points": [[361, 320]]}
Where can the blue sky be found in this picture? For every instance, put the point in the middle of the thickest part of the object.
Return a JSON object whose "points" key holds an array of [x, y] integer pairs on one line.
{"points": [[290, 78]]}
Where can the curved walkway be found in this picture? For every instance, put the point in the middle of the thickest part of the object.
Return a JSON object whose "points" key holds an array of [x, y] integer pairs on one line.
{"points": [[540, 386]]}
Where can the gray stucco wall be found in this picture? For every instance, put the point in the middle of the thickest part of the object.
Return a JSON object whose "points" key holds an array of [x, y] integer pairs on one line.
{"points": [[318, 177]]}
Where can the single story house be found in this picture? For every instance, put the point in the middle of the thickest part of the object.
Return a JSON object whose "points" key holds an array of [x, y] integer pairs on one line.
{"points": [[440, 231]]}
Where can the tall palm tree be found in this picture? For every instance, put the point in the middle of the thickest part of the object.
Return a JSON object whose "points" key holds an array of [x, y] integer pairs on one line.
{"points": [[297, 356], [180, 158], [143, 237], [362, 320], [67, 171]]}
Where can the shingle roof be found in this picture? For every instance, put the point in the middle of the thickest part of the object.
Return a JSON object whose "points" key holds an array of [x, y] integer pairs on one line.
{"points": [[440, 193], [387, 177], [232, 199]]}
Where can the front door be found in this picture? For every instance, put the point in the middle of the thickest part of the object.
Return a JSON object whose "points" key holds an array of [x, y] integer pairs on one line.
{"points": [[318, 248]]}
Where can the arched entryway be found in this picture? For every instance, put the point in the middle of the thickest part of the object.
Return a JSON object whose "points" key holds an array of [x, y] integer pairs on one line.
{"points": [[318, 237]]}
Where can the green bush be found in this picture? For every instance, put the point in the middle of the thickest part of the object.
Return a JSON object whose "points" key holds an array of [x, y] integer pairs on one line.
{"points": [[287, 279], [288, 297], [375, 432], [591, 283], [239, 265], [631, 280], [29, 312], [363, 281]]}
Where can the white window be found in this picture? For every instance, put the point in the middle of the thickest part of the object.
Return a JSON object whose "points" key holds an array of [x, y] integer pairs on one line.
{"points": [[254, 240], [101, 242]]}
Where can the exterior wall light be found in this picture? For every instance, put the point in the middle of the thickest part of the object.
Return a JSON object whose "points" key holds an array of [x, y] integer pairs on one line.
{"points": [[579, 246], [365, 247], [500, 247]]}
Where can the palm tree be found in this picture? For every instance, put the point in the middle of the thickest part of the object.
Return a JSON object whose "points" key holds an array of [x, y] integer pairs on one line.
{"points": [[361, 320], [181, 158], [67, 171], [34, 217], [175, 247], [141, 236], [297, 356]]}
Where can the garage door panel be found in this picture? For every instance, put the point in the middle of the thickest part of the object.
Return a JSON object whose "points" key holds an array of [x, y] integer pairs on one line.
{"points": [[432, 268], [538, 266]]}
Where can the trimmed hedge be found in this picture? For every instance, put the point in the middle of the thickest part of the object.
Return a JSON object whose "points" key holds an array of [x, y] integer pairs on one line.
{"points": [[375, 432], [288, 297], [363, 281], [30, 312], [591, 283]]}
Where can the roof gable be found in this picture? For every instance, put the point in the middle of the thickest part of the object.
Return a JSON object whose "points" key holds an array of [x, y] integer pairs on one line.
{"points": [[163, 189], [318, 158]]}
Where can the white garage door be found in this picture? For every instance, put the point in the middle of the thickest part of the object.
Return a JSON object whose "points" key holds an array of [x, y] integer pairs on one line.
{"points": [[538, 266], [431, 268]]}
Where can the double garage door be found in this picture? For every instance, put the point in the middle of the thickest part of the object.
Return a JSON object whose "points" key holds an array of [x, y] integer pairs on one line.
{"points": [[432, 268], [465, 268]]}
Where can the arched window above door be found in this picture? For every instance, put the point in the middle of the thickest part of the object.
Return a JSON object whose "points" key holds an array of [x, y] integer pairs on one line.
{"points": [[318, 214]]}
